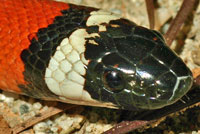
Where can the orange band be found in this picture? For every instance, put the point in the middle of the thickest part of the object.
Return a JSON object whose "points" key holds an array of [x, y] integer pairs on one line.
{"points": [[19, 21]]}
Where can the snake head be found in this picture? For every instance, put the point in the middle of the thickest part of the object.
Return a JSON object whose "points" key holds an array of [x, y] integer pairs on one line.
{"points": [[133, 68]]}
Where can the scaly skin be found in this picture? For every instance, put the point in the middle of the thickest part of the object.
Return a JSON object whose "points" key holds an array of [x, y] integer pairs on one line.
{"points": [[82, 55], [19, 21]]}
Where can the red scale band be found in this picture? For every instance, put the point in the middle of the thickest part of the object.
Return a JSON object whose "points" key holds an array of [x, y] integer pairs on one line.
{"points": [[19, 21]]}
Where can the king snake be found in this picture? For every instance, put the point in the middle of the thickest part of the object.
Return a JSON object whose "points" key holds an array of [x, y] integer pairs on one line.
{"points": [[81, 55]]}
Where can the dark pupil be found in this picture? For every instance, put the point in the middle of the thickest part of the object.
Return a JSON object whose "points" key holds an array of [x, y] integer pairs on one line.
{"points": [[114, 80]]}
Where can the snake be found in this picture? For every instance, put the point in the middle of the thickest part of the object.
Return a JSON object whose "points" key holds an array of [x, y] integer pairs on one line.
{"points": [[86, 56]]}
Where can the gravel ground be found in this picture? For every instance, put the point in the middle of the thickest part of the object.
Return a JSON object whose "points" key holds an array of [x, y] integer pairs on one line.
{"points": [[90, 120]]}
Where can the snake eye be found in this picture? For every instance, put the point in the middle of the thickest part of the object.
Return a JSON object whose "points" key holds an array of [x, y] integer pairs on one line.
{"points": [[113, 80]]}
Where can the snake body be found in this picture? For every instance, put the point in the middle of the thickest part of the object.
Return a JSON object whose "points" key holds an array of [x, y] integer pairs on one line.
{"points": [[82, 55]]}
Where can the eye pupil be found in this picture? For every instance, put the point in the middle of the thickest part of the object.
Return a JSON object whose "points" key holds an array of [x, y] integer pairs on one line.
{"points": [[113, 80]]}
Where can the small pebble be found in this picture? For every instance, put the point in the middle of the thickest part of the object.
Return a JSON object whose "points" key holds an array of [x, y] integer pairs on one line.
{"points": [[23, 109], [40, 127], [37, 106]]}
